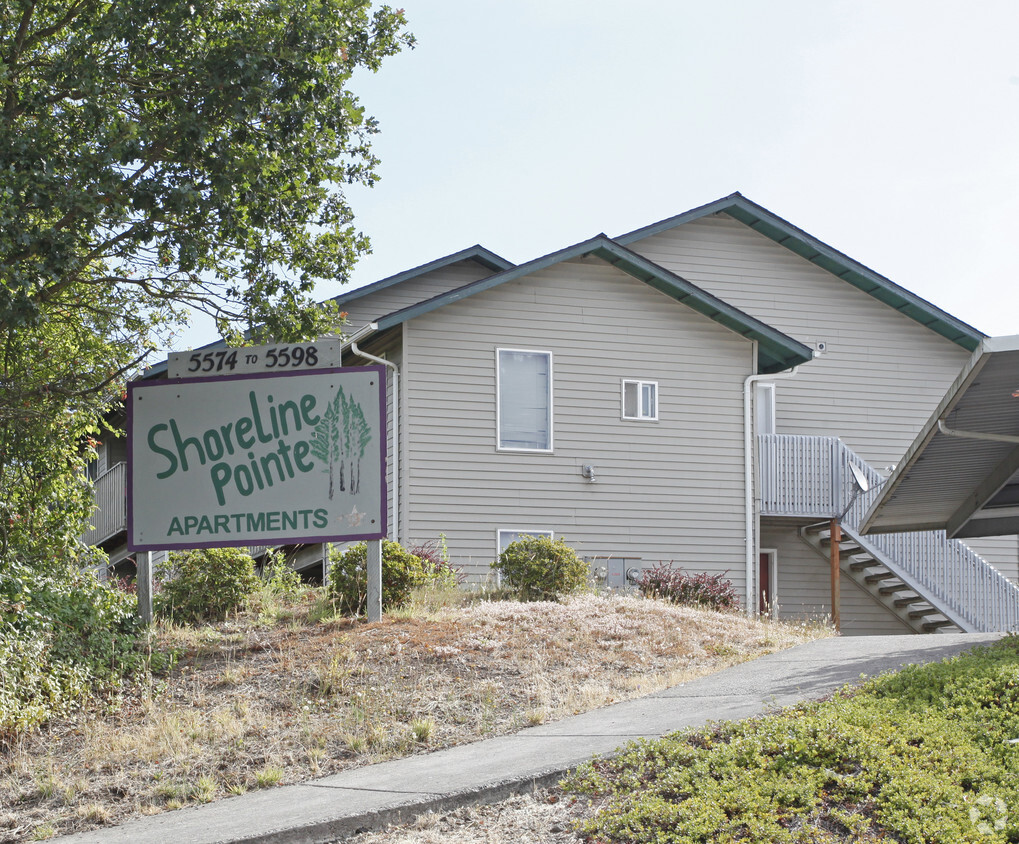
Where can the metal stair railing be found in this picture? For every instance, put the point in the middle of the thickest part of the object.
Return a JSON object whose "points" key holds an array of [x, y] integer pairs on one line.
{"points": [[810, 476]]}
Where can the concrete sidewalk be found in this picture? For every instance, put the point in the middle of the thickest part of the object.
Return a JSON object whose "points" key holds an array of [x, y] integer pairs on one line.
{"points": [[339, 805]]}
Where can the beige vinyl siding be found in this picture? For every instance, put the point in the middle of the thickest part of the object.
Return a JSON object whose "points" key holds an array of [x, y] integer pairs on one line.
{"points": [[882, 373], [1000, 551], [666, 490], [371, 306], [804, 587]]}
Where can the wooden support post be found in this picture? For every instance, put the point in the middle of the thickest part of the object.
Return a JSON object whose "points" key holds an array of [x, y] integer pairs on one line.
{"points": [[374, 608], [143, 582], [836, 538]]}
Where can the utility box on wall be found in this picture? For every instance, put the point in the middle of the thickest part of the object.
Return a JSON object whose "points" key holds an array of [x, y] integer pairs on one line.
{"points": [[613, 570]]}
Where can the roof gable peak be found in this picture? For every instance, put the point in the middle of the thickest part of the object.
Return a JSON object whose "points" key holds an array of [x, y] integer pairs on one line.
{"points": [[796, 240], [776, 351]]}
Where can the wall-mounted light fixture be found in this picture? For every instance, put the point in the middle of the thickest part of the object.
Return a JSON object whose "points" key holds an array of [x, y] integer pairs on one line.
{"points": [[587, 470]]}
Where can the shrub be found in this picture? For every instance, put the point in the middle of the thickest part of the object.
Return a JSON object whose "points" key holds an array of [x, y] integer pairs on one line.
{"points": [[278, 577], [64, 636], [711, 591], [434, 557], [204, 584], [402, 571], [541, 568]]}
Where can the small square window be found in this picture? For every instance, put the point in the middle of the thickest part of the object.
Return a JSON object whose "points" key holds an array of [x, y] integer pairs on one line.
{"points": [[640, 400]]}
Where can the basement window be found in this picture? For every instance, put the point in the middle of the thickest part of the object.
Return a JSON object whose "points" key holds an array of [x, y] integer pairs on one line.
{"points": [[508, 535]]}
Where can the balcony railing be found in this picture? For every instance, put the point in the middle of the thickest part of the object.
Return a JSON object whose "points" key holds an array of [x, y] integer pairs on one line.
{"points": [[810, 477], [110, 515]]}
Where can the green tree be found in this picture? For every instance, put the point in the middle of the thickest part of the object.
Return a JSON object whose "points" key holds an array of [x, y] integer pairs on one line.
{"points": [[158, 156]]}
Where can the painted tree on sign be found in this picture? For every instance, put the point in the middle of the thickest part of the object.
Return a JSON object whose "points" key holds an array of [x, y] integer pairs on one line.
{"points": [[327, 440], [361, 436], [340, 440]]}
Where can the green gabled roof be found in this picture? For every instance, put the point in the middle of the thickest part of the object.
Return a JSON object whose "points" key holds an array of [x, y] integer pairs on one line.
{"points": [[776, 351], [478, 253], [796, 240]]}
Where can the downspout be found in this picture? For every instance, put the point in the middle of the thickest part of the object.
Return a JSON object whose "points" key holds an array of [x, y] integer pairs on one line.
{"points": [[976, 435], [394, 528], [748, 476]]}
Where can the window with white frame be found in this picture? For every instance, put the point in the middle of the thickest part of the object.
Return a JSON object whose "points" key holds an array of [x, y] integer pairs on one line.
{"points": [[640, 400], [524, 403], [508, 535]]}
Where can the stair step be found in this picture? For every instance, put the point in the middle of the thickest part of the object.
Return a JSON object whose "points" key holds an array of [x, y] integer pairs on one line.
{"points": [[877, 578], [935, 626], [899, 603], [846, 546], [862, 565], [923, 613], [891, 589]]}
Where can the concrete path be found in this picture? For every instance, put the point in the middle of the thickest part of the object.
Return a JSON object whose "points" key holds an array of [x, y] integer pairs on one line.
{"points": [[336, 806]]}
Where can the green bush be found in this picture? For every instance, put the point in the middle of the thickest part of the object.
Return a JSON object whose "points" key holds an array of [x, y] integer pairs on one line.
{"points": [[203, 585], [402, 572], [64, 636], [542, 569], [279, 578]]}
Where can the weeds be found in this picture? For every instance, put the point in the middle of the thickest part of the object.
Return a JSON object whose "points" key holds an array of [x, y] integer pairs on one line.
{"points": [[311, 694], [423, 729], [268, 776]]}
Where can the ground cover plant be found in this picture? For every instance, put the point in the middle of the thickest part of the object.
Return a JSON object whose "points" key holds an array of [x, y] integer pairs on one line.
{"points": [[928, 755], [286, 690]]}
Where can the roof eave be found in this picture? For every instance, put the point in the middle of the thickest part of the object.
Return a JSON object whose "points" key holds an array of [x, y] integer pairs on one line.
{"points": [[488, 259]]}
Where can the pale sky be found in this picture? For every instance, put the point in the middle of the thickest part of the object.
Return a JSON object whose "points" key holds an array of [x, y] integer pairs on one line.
{"points": [[887, 128]]}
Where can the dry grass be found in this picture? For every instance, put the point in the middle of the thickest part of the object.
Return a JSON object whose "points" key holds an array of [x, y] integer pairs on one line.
{"points": [[254, 703]]}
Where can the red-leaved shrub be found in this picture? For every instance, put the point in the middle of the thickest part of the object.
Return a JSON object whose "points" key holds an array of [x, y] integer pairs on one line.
{"points": [[710, 591]]}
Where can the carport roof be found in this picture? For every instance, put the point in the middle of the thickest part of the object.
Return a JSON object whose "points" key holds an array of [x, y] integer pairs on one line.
{"points": [[962, 472]]}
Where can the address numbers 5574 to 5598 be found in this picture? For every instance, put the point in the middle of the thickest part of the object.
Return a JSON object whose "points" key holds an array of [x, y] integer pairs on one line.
{"points": [[278, 357]]}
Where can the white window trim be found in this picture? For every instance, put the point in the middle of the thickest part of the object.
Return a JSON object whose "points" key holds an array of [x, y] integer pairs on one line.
{"points": [[529, 531], [622, 400], [498, 404]]}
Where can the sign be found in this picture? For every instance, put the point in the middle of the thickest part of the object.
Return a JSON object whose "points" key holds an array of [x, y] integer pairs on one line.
{"points": [[278, 357], [257, 459]]}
